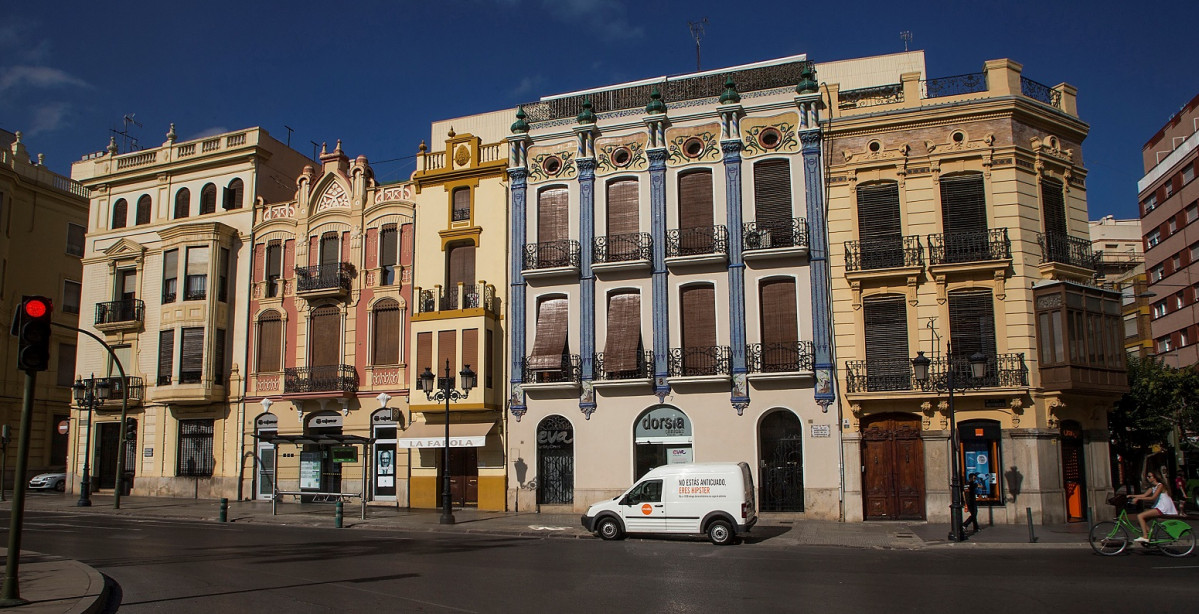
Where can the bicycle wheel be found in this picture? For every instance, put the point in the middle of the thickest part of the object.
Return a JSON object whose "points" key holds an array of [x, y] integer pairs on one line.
{"points": [[1108, 538], [1184, 545]]}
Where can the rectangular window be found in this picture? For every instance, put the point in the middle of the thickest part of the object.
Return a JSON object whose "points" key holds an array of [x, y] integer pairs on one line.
{"points": [[470, 349], [552, 216], [623, 344], [170, 275], [1192, 212], [424, 352], [166, 356], [698, 304], [1158, 273], [218, 358], [386, 342], [1153, 238], [1151, 203], [1195, 253], [461, 211], [1159, 309], [1171, 227], [779, 326], [223, 283], [888, 362], [72, 292], [124, 354], [1130, 326], [66, 364], [494, 365], [196, 282], [880, 230], [447, 352], [195, 448], [550, 335], [1169, 188], [388, 254], [191, 356], [270, 342], [1188, 174], [1178, 301], [1183, 339], [75, 234], [274, 267]]}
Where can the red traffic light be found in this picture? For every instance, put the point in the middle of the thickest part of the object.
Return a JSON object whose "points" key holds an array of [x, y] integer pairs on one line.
{"points": [[36, 308]]}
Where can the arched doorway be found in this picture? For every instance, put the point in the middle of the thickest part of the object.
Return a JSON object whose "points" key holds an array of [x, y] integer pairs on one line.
{"points": [[892, 467], [555, 461], [1073, 478], [661, 436], [265, 426], [780, 445]]}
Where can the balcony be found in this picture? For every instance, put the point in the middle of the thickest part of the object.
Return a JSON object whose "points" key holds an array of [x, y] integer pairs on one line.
{"points": [[761, 239], [328, 378], [885, 375], [551, 258], [779, 360], [960, 247], [136, 390], [324, 279], [887, 253], [702, 244], [1067, 250], [640, 375], [564, 376], [125, 314], [464, 296], [699, 364], [625, 252]]}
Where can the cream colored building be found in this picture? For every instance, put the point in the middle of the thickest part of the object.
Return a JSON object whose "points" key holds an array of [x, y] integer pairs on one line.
{"points": [[43, 217], [958, 217], [1121, 251], [166, 284]]}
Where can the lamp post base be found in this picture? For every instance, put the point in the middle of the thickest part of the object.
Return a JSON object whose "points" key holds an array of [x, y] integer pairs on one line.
{"points": [[447, 518]]}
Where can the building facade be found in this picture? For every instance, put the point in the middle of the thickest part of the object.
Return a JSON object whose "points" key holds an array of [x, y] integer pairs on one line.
{"points": [[669, 288], [43, 219], [166, 284], [329, 302], [1119, 247], [958, 233], [1169, 199]]}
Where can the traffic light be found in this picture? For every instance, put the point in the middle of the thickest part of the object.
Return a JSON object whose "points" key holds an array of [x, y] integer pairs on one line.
{"points": [[130, 430], [32, 328]]}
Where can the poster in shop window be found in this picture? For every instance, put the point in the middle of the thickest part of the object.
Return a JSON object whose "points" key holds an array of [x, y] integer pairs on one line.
{"points": [[385, 462]]}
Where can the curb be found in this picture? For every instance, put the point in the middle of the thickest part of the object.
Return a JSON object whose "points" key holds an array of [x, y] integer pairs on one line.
{"points": [[100, 599]]}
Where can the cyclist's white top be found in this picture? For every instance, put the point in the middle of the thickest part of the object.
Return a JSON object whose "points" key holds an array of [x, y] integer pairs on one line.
{"points": [[1166, 505]]}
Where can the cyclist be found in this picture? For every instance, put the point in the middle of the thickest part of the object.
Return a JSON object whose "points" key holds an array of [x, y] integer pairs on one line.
{"points": [[1163, 504]]}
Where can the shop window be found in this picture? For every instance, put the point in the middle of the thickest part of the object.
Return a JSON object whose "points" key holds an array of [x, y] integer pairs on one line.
{"points": [[195, 458], [980, 459]]}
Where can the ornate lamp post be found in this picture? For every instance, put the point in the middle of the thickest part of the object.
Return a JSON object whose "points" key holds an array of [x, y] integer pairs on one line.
{"points": [[978, 369], [90, 394], [446, 392]]}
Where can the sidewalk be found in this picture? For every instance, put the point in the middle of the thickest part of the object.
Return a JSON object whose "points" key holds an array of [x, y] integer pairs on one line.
{"points": [[60, 585]]}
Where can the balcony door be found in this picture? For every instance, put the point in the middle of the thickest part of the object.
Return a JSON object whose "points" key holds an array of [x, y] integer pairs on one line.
{"points": [[772, 205], [700, 356], [622, 347], [971, 329], [460, 269], [696, 217], [888, 361], [879, 227], [330, 251], [126, 289], [964, 218], [325, 339]]}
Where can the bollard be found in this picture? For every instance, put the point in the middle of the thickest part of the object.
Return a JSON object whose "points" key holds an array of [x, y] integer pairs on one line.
{"points": [[224, 510], [1032, 539], [337, 516]]}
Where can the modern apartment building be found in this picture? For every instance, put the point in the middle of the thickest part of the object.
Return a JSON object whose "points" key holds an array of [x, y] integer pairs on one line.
{"points": [[1169, 199], [958, 233], [166, 284], [43, 218]]}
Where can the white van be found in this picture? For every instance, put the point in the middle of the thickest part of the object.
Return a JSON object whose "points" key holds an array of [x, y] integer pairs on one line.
{"points": [[716, 499]]}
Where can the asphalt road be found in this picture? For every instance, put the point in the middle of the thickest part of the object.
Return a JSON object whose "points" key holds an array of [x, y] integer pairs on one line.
{"points": [[219, 569]]}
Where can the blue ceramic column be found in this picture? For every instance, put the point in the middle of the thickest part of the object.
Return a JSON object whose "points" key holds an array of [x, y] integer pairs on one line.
{"points": [[517, 175]]}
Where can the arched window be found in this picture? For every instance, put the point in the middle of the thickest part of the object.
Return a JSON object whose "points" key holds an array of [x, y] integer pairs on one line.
{"points": [[143, 210], [120, 211], [183, 205], [208, 199], [270, 342], [233, 195], [385, 341]]}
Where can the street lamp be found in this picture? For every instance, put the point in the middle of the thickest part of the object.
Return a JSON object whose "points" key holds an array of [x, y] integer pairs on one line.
{"points": [[978, 370], [90, 394], [447, 393]]}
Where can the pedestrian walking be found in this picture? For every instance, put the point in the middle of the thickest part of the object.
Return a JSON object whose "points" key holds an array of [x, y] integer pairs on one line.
{"points": [[972, 502]]}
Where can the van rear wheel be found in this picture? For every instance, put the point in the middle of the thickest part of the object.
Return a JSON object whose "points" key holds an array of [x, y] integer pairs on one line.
{"points": [[609, 529], [720, 532]]}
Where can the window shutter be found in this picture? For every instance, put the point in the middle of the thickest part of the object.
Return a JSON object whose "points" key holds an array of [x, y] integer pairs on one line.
{"points": [[208, 199], [552, 221], [424, 352], [963, 204], [182, 203], [386, 342], [622, 207], [972, 323], [462, 267], [1053, 203], [624, 332], [326, 336], [772, 192], [780, 323], [878, 212], [270, 341], [495, 360], [461, 210], [549, 345], [66, 364], [886, 328], [191, 358], [470, 349], [218, 357], [447, 350], [274, 259], [233, 195], [388, 243], [695, 200], [699, 316], [166, 356], [120, 211], [143, 210], [329, 249]]}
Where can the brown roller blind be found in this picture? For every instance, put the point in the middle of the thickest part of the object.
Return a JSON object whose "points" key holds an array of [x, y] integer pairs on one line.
{"points": [[329, 249], [772, 191], [622, 207], [699, 316], [447, 350], [388, 246], [120, 210], [270, 341], [695, 200], [326, 336], [552, 221], [972, 322], [143, 210], [191, 357], [166, 356], [274, 259], [470, 349], [208, 199], [1053, 202], [878, 212], [778, 314], [462, 267], [386, 342], [963, 204], [183, 200], [550, 342], [624, 332], [424, 352], [886, 329]]}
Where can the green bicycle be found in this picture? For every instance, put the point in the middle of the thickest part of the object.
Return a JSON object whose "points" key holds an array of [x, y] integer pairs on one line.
{"points": [[1170, 535]]}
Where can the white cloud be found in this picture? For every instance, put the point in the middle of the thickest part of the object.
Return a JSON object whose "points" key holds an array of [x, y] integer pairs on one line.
{"points": [[37, 76], [49, 117], [609, 17], [215, 130], [527, 86]]}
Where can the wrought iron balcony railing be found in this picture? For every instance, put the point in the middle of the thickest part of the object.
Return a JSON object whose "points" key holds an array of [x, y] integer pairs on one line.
{"points": [[473, 296], [888, 253], [775, 235], [621, 248], [870, 96], [972, 83], [699, 361], [334, 276], [643, 369], [329, 378], [698, 241], [879, 375], [1040, 92], [955, 247], [124, 310], [115, 392], [551, 255], [779, 357], [1002, 371], [1064, 249], [568, 370]]}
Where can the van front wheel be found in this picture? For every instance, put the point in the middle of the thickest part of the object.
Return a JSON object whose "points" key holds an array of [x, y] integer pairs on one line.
{"points": [[720, 532], [609, 529]]}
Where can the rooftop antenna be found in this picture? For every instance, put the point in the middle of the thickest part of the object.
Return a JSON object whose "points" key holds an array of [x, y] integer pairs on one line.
{"points": [[906, 35], [130, 142], [697, 32], [289, 131]]}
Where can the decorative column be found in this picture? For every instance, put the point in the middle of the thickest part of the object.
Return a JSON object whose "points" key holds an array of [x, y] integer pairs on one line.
{"points": [[730, 144], [655, 149], [585, 134], [518, 150]]}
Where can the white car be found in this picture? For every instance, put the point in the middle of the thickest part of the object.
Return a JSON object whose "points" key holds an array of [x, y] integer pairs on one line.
{"points": [[49, 481]]}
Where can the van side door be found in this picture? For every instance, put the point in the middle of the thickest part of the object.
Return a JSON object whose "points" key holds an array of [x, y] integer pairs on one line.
{"points": [[643, 509]]}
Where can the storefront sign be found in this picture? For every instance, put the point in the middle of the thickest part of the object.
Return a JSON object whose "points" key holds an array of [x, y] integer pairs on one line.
{"points": [[267, 422], [439, 442], [662, 425], [326, 420], [310, 470], [678, 456], [554, 439]]}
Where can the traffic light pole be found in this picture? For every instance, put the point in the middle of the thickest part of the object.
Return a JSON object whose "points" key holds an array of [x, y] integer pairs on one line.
{"points": [[11, 593]]}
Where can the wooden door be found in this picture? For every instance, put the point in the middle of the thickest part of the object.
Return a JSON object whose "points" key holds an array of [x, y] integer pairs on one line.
{"points": [[464, 476], [892, 468], [1072, 473]]}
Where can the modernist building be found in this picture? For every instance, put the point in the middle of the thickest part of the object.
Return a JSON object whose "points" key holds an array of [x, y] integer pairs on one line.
{"points": [[329, 294], [458, 315], [43, 217], [1120, 252], [1169, 209], [958, 227], [669, 288], [166, 275]]}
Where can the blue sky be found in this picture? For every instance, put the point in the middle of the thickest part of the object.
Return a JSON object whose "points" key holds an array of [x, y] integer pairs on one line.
{"points": [[375, 73]]}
